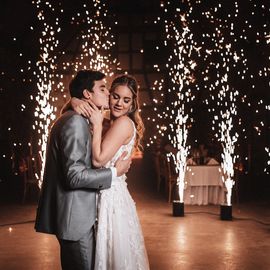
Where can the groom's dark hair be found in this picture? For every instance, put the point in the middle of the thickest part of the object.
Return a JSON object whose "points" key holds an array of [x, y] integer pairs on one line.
{"points": [[84, 79]]}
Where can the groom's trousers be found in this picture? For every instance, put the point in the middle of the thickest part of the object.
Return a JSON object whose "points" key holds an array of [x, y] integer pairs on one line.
{"points": [[78, 255]]}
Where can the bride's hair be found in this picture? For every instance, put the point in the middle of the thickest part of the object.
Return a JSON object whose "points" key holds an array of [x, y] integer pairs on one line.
{"points": [[134, 115]]}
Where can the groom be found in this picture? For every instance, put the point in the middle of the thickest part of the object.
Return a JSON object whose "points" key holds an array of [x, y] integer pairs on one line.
{"points": [[67, 204]]}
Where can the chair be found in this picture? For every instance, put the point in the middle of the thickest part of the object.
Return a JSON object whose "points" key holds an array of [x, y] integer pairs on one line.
{"points": [[171, 178], [161, 168], [157, 169], [238, 170], [167, 170], [27, 169]]}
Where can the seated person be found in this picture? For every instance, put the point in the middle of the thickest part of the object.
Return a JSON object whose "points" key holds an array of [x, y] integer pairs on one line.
{"points": [[203, 152], [190, 161], [212, 161]]}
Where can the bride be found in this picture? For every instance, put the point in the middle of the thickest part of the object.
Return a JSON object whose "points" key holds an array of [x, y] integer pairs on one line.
{"points": [[119, 241]]}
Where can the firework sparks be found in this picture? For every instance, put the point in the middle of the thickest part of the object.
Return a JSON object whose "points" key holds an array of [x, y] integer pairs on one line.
{"points": [[97, 41], [268, 161], [228, 141], [45, 112], [181, 68]]}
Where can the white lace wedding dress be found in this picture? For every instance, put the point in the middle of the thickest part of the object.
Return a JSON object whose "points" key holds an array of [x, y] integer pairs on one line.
{"points": [[119, 242]]}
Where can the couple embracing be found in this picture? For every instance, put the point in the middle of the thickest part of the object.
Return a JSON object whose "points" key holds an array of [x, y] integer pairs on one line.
{"points": [[84, 177]]}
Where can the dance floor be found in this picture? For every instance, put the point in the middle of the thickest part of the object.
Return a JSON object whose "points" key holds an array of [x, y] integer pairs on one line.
{"points": [[200, 240]]}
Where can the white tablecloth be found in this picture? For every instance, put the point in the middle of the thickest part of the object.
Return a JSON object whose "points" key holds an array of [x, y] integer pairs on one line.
{"points": [[204, 185]]}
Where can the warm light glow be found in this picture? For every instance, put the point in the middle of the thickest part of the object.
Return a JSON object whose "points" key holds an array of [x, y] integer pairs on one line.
{"points": [[94, 43], [181, 67], [268, 160], [45, 112], [223, 35]]}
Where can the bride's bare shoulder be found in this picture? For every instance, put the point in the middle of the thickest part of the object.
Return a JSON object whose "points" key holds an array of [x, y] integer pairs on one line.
{"points": [[124, 121], [124, 125]]}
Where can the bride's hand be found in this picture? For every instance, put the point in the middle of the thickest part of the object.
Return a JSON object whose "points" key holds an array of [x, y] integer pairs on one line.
{"points": [[81, 107]]}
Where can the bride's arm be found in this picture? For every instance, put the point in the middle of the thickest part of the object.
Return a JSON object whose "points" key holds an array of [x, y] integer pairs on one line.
{"points": [[78, 105], [66, 107], [119, 133]]}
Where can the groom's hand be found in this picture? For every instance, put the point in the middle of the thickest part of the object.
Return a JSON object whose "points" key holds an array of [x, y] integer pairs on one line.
{"points": [[122, 165]]}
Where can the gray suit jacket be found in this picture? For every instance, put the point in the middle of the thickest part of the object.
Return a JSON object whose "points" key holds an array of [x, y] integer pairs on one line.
{"points": [[67, 204]]}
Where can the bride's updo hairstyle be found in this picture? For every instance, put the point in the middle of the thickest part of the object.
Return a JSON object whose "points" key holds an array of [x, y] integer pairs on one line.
{"points": [[134, 115]]}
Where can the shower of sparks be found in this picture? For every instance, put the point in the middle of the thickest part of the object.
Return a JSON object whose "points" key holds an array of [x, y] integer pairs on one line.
{"points": [[97, 40], [180, 71], [180, 143], [228, 137], [225, 69], [226, 39], [45, 112], [267, 38], [224, 98], [244, 24], [96, 45], [181, 67], [268, 159]]}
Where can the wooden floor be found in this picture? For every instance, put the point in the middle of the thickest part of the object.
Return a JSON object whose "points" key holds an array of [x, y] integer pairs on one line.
{"points": [[199, 240]]}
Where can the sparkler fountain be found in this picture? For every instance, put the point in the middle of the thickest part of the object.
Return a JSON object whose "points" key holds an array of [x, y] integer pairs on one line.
{"points": [[227, 136], [181, 67], [244, 25], [44, 112], [228, 141], [180, 143], [96, 44], [222, 55]]}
